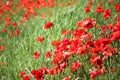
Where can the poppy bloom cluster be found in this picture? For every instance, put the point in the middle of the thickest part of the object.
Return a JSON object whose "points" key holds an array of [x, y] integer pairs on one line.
{"points": [[82, 43]]}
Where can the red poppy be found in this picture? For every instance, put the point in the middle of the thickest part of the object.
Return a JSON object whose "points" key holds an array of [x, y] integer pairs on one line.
{"points": [[87, 9], [17, 32], [87, 23], [66, 78], [112, 70], [2, 48], [91, 2], [75, 66], [89, 44], [4, 30], [115, 35], [26, 78], [63, 65], [118, 8], [103, 71], [48, 25], [12, 34], [37, 74], [40, 39], [52, 71], [81, 50], [14, 24], [48, 54], [36, 55], [22, 73], [99, 9], [107, 13], [94, 73], [8, 21], [55, 43], [96, 61], [65, 32]]}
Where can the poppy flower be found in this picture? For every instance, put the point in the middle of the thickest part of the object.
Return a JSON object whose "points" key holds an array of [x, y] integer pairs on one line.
{"points": [[40, 39], [66, 78], [17, 32], [107, 13], [2, 48], [81, 50], [96, 61], [55, 43], [99, 9], [12, 34], [14, 24], [63, 65], [88, 23], [118, 8], [103, 70], [26, 77], [89, 44], [4, 30], [115, 35], [87, 9], [37, 74], [22, 73], [75, 66], [112, 70], [94, 73], [48, 25], [8, 21], [48, 54], [65, 32], [91, 2], [52, 71], [36, 55]]}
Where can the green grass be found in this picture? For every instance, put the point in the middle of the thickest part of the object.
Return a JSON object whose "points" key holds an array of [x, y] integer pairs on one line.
{"points": [[20, 49]]}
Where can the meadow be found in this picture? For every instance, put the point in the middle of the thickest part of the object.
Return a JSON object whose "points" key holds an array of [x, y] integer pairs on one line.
{"points": [[59, 39]]}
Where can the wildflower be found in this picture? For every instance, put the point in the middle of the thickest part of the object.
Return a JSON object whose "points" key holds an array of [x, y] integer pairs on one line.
{"points": [[48, 25], [96, 61], [36, 55], [99, 9], [55, 43], [2, 48], [66, 78], [40, 39], [94, 73], [37, 74], [26, 78], [22, 73], [112, 70], [14, 24], [118, 8], [17, 32], [107, 13], [115, 35], [48, 54], [88, 23], [87, 9], [75, 66], [4, 30]]}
